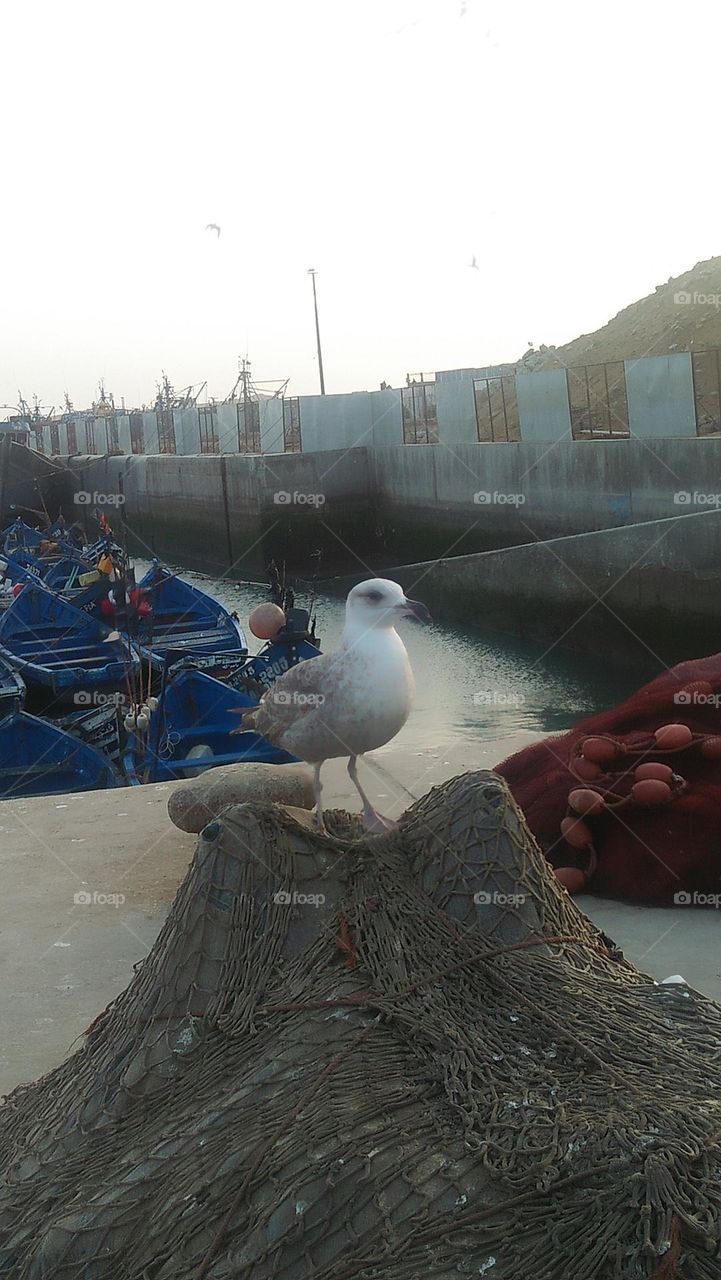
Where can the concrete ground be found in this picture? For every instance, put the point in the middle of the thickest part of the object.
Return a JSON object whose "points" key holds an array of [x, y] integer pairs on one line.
{"points": [[88, 880]]}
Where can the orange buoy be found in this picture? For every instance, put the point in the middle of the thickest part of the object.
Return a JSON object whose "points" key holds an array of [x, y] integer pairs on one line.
{"points": [[651, 791], [571, 878], [599, 750], [711, 748], [586, 769], [575, 832], [266, 621], [662, 772], [586, 801], [671, 737]]}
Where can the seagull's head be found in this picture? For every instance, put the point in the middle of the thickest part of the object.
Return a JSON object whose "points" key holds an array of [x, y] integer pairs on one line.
{"points": [[378, 602]]}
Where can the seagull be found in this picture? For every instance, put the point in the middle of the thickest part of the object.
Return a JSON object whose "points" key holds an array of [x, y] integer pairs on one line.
{"points": [[347, 702], [213, 226], [474, 263]]}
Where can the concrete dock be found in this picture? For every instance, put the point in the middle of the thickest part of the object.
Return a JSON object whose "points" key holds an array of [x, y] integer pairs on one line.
{"points": [[89, 878]]}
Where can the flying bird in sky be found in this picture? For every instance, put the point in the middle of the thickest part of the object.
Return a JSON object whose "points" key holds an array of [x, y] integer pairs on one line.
{"points": [[474, 263], [344, 703], [213, 226]]}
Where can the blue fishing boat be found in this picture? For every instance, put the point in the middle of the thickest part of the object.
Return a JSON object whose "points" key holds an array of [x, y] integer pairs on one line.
{"points": [[38, 758], [60, 650], [20, 536], [186, 622], [191, 730], [192, 727], [295, 643]]}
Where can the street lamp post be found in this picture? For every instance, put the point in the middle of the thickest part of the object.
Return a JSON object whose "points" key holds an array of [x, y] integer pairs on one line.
{"points": [[312, 274]]}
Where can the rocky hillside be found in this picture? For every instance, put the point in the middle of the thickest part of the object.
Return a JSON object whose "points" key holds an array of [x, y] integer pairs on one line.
{"points": [[684, 314]]}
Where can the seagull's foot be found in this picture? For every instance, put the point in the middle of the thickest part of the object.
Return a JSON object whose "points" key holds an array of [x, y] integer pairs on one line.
{"points": [[375, 822]]}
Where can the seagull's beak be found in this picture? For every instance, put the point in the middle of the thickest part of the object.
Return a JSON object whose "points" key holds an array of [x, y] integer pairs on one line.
{"points": [[414, 609]]}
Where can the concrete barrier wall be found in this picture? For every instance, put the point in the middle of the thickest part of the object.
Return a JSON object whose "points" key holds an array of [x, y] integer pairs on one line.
{"points": [[386, 417], [228, 440], [187, 431], [456, 409], [271, 426], [336, 422], [660, 396], [396, 504], [543, 409]]}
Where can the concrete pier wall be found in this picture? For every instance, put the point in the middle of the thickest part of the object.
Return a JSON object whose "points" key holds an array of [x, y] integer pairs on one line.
{"points": [[226, 513], [396, 504], [647, 593]]}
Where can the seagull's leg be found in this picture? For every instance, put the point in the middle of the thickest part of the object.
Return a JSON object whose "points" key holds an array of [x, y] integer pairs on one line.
{"points": [[317, 788], [373, 821]]}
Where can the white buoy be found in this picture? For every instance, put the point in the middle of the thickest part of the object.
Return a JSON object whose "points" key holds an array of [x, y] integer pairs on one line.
{"points": [[142, 722], [129, 721], [153, 704]]}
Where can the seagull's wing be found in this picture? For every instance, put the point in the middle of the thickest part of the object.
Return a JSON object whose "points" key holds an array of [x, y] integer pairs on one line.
{"points": [[296, 696]]}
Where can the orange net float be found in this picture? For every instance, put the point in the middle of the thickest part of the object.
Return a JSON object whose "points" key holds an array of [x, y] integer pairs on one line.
{"points": [[654, 769], [266, 621], [651, 791], [600, 750], [673, 737], [572, 878]]}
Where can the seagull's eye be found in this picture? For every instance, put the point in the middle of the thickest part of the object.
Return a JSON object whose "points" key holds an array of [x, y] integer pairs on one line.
{"points": [[375, 597]]}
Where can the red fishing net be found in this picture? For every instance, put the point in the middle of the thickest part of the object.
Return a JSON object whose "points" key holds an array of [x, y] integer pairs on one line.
{"points": [[653, 841]]}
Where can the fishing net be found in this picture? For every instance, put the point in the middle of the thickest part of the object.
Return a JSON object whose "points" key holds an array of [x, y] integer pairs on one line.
{"points": [[661, 853], [348, 1058]]}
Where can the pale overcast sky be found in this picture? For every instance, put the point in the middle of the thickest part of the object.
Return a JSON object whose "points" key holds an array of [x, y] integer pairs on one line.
{"points": [[571, 148]]}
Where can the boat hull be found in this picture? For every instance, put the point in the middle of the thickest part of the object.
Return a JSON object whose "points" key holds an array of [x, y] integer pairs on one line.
{"points": [[39, 759]]}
